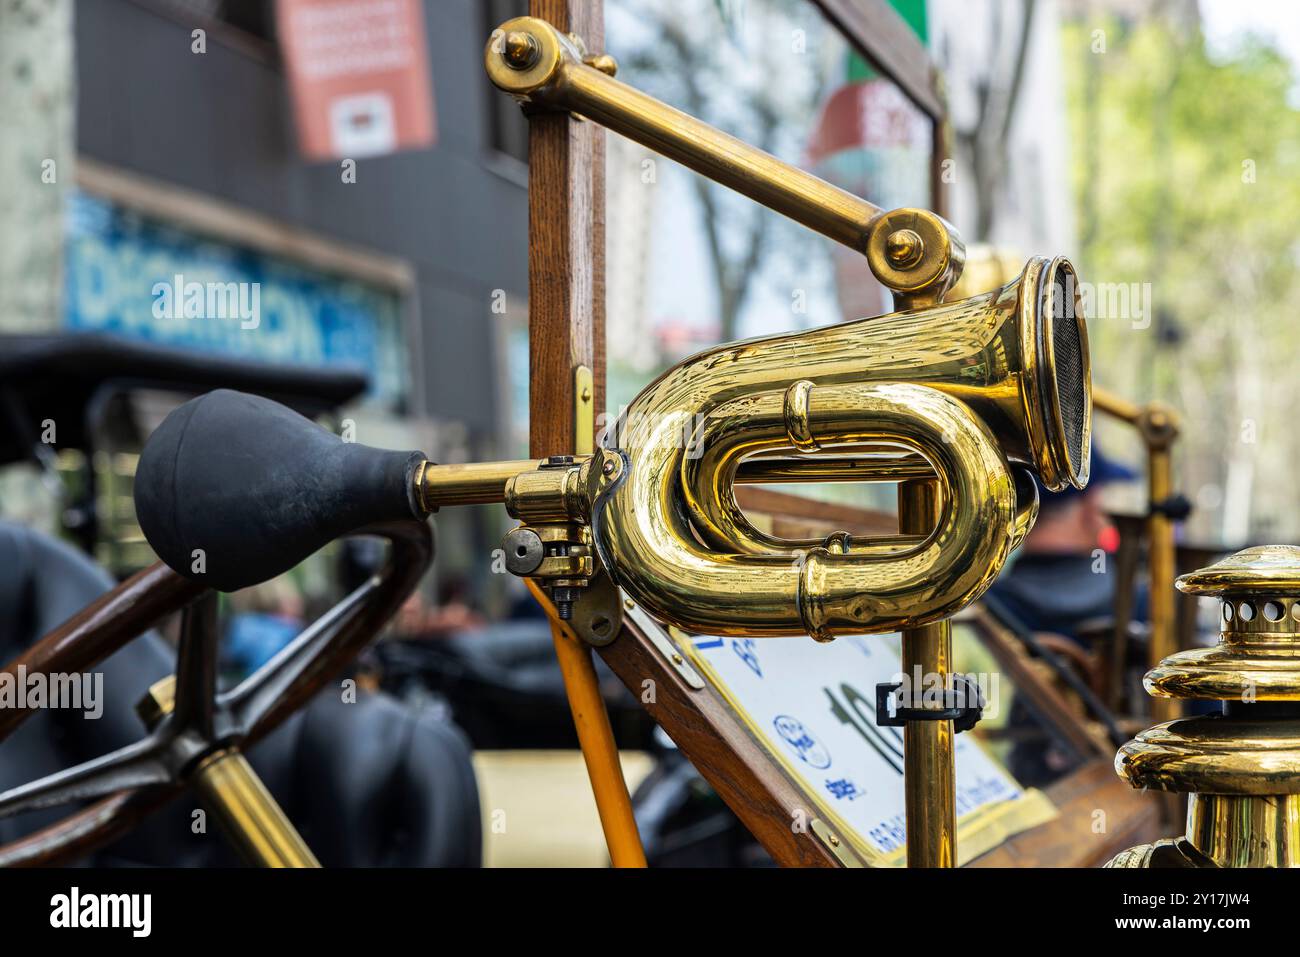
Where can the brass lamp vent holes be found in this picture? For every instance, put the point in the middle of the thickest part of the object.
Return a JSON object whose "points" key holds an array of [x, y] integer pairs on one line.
{"points": [[1260, 614]]}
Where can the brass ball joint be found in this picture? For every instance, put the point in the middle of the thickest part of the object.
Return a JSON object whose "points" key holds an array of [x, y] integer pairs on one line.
{"points": [[1240, 768]]}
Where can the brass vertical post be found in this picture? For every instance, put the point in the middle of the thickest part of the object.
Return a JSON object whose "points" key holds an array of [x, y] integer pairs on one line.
{"points": [[1157, 424], [228, 786], [1160, 535], [929, 771], [249, 815]]}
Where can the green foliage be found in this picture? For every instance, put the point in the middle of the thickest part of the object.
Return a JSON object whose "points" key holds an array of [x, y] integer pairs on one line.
{"points": [[1186, 171]]}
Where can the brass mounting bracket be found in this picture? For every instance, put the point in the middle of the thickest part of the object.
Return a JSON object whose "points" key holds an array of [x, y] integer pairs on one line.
{"points": [[598, 617]]}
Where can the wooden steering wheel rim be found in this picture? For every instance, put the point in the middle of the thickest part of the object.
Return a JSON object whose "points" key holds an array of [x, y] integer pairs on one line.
{"points": [[115, 618]]}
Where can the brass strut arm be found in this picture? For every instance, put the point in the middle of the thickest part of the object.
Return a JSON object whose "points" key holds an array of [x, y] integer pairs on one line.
{"points": [[912, 251]]}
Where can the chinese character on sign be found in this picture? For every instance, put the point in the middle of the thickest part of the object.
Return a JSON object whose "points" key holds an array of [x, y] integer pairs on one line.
{"points": [[844, 788], [748, 653]]}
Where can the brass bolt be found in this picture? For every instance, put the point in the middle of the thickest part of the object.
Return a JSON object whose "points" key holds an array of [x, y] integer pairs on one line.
{"points": [[521, 50], [158, 702], [904, 247], [586, 393], [603, 62]]}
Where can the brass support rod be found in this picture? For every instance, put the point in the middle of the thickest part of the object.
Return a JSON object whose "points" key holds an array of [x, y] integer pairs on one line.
{"points": [[484, 483], [252, 820], [472, 483], [913, 252], [723, 158], [929, 770], [1158, 428], [1120, 408]]}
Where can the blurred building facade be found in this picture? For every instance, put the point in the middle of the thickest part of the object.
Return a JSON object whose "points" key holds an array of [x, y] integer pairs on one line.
{"points": [[172, 126]]}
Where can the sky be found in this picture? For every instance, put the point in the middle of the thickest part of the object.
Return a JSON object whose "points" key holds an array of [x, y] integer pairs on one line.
{"points": [[1226, 21]]}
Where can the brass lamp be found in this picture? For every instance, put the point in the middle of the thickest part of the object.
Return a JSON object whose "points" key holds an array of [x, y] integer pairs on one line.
{"points": [[1240, 768]]}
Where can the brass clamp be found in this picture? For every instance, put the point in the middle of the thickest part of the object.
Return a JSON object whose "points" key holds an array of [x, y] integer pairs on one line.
{"points": [[559, 556], [555, 544]]}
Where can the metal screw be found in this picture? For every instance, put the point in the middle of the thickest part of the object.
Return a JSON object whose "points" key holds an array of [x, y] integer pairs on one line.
{"points": [[564, 599], [904, 247], [520, 49]]}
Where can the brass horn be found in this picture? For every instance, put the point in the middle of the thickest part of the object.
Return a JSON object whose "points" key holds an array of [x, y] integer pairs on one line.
{"points": [[979, 389], [977, 394]]}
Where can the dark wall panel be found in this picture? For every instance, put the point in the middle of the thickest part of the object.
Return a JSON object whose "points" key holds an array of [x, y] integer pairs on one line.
{"points": [[220, 124]]}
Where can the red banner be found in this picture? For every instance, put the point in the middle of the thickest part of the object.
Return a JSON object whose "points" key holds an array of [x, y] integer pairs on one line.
{"points": [[359, 76]]}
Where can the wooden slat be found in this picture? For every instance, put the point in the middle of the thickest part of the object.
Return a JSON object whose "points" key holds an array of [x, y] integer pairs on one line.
{"points": [[566, 250], [1099, 816], [884, 38], [783, 505]]}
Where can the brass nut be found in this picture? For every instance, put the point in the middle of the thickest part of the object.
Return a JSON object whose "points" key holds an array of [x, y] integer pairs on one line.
{"points": [[520, 50], [905, 248]]}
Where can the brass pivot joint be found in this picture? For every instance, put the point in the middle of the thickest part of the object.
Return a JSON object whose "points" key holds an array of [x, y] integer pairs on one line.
{"points": [[555, 544], [1241, 767]]}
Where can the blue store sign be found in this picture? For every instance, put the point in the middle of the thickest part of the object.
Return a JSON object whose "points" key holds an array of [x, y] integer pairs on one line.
{"points": [[142, 278]]}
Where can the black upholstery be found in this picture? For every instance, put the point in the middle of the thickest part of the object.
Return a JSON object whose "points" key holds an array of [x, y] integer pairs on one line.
{"points": [[370, 783]]}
